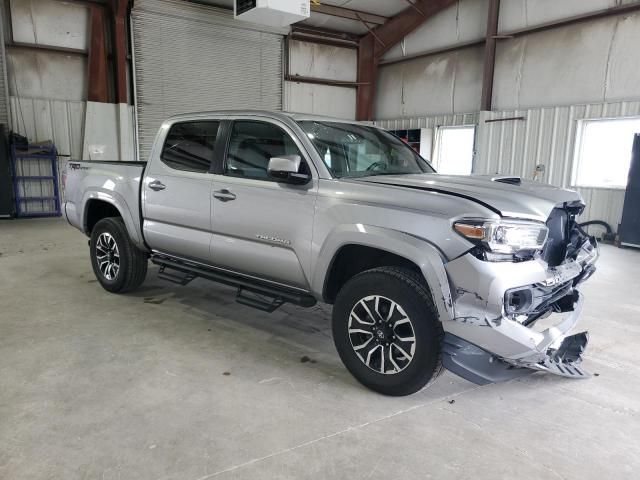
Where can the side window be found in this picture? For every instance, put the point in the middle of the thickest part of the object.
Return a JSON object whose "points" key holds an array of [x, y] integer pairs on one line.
{"points": [[190, 145], [251, 146]]}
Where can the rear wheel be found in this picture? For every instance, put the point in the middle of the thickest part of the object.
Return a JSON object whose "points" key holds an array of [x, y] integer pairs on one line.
{"points": [[387, 332], [117, 263]]}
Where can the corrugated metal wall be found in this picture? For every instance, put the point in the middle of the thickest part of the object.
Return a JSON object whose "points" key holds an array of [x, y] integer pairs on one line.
{"points": [[61, 121], [447, 120], [4, 91], [547, 136]]}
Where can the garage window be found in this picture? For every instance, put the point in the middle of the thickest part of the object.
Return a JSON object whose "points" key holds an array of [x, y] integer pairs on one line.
{"points": [[603, 152], [454, 150]]}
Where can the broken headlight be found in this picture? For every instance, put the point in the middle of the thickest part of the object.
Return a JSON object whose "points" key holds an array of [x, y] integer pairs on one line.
{"points": [[504, 238]]}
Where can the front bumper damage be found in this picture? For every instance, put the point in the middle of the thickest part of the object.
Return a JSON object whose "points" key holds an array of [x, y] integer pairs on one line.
{"points": [[511, 319]]}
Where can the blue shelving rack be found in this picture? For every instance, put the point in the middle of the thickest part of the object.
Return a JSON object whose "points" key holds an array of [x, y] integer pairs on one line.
{"points": [[36, 168]]}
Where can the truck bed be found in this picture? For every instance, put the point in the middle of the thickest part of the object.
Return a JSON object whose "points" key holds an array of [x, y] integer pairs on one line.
{"points": [[115, 181]]}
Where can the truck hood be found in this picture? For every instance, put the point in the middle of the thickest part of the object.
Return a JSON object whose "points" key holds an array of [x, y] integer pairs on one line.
{"points": [[507, 196]]}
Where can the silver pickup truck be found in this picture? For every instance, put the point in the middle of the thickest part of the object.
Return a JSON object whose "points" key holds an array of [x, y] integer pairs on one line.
{"points": [[424, 271]]}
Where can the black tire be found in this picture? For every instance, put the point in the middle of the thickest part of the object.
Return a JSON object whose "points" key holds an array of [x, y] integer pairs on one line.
{"points": [[132, 268], [409, 291]]}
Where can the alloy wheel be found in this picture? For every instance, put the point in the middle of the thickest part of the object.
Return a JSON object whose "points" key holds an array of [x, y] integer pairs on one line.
{"points": [[381, 334], [108, 256]]}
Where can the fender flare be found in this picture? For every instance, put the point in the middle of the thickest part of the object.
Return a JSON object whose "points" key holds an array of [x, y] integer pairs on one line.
{"points": [[425, 255], [118, 201]]}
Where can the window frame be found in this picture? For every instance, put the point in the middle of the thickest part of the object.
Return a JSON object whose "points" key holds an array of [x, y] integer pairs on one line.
{"points": [[437, 145], [221, 166], [578, 148], [216, 147]]}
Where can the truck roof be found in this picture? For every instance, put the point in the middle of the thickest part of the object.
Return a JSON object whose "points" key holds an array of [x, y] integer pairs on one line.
{"points": [[281, 115]]}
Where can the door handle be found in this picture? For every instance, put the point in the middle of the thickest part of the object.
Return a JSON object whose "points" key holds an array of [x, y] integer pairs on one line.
{"points": [[157, 185], [224, 195]]}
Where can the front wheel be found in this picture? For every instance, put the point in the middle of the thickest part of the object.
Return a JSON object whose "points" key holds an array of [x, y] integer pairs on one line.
{"points": [[118, 264], [387, 332]]}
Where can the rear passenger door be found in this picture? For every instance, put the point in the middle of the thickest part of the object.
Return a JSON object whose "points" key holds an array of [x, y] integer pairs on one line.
{"points": [[177, 191], [262, 227]]}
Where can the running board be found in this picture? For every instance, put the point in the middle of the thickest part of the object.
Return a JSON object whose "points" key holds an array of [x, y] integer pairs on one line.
{"points": [[180, 278], [253, 293], [259, 302]]}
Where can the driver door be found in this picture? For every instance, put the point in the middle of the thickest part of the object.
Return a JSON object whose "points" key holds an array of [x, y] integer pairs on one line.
{"points": [[262, 227]]}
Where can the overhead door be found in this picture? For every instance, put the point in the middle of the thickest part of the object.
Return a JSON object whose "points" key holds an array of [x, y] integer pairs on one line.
{"points": [[4, 95], [190, 58]]}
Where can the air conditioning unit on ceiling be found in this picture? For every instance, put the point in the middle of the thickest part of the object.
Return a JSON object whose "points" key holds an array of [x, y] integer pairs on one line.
{"points": [[274, 13]]}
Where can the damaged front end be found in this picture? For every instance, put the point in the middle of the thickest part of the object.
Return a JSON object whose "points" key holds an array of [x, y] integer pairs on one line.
{"points": [[514, 316]]}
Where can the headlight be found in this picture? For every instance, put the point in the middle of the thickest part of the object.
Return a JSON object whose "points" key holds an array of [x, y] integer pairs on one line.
{"points": [[502, 236]]}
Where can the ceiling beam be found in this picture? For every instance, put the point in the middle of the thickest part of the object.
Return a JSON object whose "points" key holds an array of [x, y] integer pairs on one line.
{"points": [[98, 70], [380, 40], [486, 99], [306, 33], [505, 36], [119, 38], [407, 21], [348, 13]]}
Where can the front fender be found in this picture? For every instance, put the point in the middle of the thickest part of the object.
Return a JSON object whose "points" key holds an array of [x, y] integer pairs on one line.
{"points": [[425, 255], [118, 201]]}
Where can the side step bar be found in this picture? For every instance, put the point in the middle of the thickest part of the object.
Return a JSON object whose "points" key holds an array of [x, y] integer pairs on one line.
{"points": [[254, 293]]}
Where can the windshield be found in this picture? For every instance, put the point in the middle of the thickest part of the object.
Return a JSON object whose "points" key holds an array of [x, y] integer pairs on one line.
{"points": [[351, 150]]}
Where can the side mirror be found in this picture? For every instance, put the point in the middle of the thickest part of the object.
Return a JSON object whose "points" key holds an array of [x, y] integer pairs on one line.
{"points": [[285, 169]]}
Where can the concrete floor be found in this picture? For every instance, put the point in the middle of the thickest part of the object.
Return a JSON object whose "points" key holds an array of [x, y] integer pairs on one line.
{"points": [[182, 383]]}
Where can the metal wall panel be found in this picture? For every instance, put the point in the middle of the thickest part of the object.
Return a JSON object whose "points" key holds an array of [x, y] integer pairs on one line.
{"points": [[56, 120], [429, 122], [42, 74], [445, 83], [582, 63], [4, 90], [50, 22], [323, 61], [465, 21], [190, 57], [331, 101], [547, 136], [515, 14]]}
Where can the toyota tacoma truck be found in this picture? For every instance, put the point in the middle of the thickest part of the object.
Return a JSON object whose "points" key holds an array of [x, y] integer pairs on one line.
{"points": [[475, 274]]}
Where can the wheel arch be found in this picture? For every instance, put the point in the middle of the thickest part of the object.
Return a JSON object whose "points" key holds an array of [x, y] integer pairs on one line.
{"points": [[403, 250], [99, 205]]}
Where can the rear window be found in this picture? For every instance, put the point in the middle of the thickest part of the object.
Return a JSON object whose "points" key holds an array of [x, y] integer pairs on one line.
{"points": [[190, 146]]}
